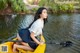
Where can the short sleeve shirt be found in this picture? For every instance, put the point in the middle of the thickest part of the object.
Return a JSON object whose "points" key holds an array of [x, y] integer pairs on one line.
{"points": [[37, 27]]}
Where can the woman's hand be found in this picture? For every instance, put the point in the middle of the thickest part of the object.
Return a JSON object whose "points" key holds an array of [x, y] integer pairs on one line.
{"points": [[38, 42], [42, 42]]}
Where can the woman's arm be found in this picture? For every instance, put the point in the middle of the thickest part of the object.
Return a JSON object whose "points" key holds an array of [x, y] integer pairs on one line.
{"points": [[33, 37]]}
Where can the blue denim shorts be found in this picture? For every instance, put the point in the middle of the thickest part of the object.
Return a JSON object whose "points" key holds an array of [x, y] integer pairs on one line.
{"points": [[25, 36]]}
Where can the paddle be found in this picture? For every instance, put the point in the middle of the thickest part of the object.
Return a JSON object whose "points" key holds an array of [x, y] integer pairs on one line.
{"points": [[63, 44]]}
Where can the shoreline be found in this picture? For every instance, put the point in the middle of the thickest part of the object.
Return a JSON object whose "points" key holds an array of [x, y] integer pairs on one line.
{"points": [[9, 11]]}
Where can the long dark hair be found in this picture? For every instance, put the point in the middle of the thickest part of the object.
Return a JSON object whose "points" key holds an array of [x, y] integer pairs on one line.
{"points": [[37, 15]]}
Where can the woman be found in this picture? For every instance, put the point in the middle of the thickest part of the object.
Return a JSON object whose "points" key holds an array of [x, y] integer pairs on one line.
{"points": [[34, 30]]}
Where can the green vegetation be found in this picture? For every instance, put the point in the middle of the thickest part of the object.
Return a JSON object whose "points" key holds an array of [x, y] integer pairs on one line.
{"points": [[15, 5], [56, 8], [19, 6], [3, 4]]}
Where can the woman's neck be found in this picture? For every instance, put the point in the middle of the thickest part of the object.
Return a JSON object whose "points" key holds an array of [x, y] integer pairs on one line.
{"points": [[41, 19]]}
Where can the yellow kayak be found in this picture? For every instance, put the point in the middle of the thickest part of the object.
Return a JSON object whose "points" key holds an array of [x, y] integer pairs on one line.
{"points": [[7, 48]]}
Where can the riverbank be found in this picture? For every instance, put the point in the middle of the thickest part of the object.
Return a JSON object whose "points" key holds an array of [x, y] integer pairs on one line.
{"points": [[20, 7], [9, 11]]}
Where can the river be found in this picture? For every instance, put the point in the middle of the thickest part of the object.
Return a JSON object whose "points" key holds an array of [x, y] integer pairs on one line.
{"points": [[59, 28]]}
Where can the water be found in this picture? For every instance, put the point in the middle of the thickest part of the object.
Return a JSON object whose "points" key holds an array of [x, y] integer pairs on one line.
{"points": [[59, 28]]}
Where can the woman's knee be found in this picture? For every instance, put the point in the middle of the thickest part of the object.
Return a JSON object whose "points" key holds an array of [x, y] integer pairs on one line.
{"points": [[23, 43], [18, 37], [14, 46]]}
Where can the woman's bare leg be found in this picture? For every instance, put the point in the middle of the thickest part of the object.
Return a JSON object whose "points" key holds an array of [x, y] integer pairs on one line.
{"points": [[26, 44], [22, 47]]}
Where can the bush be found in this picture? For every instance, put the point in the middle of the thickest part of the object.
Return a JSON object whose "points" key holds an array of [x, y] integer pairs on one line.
{"points": [[57, 7], [70, 7], [18, 6], [63, 8], [3, 4], [43, 3], [54, 7]]}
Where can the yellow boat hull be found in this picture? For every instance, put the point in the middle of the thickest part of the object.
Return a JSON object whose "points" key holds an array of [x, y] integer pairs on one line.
{"points": [[7, 48]]}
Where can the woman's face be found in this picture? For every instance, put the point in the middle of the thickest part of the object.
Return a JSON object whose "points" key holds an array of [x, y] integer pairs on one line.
{"points": [[44, 14]]}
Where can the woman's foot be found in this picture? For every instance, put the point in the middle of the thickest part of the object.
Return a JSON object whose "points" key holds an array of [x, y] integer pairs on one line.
{"points": [[14, 48]]}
